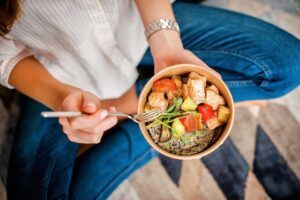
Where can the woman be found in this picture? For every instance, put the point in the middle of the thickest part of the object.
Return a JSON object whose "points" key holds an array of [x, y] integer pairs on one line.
{"points": [[82, 56]]}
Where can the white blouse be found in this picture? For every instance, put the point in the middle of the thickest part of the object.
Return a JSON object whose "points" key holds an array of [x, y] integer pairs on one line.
{"points": [[92, 44]]}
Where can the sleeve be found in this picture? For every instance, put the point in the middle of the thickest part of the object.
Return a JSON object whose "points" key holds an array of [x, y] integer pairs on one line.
{"points": [[11, 52]]}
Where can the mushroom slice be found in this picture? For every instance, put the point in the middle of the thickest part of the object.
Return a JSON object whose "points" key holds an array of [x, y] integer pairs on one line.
{"points": [[165, 134], [155, 132]]}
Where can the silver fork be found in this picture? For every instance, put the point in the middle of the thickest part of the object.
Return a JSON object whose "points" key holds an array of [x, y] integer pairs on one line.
{"points": [[144, 117]]}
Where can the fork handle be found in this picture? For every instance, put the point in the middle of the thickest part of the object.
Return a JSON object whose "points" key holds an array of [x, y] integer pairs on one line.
{"points": [[56, 114]]}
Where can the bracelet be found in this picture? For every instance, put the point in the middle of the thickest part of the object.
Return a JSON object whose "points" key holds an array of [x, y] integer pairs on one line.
{"points": [[159, 25]]}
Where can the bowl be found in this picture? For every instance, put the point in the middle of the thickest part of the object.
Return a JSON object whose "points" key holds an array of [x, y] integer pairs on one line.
{"points": [[180, 70]]}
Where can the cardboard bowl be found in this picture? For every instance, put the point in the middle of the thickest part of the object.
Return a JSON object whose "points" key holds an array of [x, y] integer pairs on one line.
{"points": [[211, 78]]}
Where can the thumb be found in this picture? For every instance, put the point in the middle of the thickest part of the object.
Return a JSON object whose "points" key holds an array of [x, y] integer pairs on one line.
{"points": [[90, 103], [72, 102]]}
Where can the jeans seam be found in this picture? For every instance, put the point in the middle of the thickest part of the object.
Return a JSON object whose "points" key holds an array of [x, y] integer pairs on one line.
{"points": [[48, 177], [239, 82], [127, 169], [49, 173], [265, 68]]}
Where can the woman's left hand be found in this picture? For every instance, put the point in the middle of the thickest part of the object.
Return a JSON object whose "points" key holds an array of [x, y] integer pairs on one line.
{"points": [[167, 50]]}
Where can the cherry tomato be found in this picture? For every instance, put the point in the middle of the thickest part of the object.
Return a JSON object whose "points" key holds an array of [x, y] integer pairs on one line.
{"points": [[164, 85], [206, 111], [189, 122], [182, 119]]}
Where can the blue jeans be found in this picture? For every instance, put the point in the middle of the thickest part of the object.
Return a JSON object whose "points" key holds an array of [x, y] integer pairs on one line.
{"points": [[257, 61]]}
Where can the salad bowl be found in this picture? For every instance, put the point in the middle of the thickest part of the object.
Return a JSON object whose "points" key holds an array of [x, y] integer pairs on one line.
{"points": [[178, 70]]}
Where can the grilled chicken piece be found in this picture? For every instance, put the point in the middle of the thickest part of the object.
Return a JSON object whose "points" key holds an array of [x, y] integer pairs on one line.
{"points": [[170, 96], [157, 100], [214, 100], [213, 123], [213, 88], [185, 92], [195, 76], [196, 88], [178, 81], [175, 93]]}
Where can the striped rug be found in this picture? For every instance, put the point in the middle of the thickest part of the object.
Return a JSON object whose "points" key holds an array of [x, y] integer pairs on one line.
{"points": [[260, 160]]}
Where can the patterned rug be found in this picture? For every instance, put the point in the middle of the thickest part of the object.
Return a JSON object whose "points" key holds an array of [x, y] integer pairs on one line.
{"points": [[260, 160]]}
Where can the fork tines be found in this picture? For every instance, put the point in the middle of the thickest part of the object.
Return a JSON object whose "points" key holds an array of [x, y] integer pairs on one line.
{"points": [[151, 115]]}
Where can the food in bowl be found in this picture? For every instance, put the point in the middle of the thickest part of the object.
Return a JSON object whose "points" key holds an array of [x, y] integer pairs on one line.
{"points": [[195, 113]]}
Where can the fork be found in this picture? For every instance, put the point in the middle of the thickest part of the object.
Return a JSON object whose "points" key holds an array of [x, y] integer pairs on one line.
{"points": [[144, 117]]}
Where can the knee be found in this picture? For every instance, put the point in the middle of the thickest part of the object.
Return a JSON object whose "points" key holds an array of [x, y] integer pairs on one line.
{"points": [[283, 77], [281, 62]]}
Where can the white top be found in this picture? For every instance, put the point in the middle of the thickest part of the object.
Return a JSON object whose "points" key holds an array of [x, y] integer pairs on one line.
{"points": [[92, 44]]}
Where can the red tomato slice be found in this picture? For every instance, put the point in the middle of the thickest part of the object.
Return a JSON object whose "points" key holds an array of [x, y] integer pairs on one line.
{"points": [[182, 120], [206, 111], [190, 123], [164, 85]]}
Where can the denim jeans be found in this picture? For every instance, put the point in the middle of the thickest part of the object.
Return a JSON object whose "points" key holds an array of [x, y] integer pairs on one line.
{"points": [[257, 61]]}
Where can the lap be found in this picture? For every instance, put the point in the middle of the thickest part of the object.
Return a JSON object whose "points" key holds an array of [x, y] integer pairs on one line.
{"points": [[227, 33], [248, 52], [121, 152], [44, 163], [42, 157], [257, 60]]}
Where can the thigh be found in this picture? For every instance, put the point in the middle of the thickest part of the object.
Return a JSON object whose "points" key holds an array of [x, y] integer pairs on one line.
{"points": [[102, 168], [42, 158], [251, 55]]}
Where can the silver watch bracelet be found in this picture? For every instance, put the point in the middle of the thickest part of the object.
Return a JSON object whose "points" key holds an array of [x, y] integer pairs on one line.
{"points": [[160, 25]]}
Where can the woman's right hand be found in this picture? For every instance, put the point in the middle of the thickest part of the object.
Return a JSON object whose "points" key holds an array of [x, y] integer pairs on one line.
{"points": [[89, 127]]}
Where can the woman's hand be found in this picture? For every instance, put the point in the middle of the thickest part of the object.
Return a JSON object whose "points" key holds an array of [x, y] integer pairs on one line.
{"points": [[167, 50], [88, 128]]}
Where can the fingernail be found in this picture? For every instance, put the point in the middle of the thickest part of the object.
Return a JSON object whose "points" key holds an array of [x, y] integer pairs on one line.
{"points": [[103, 114], [90, 104], [113, 109]]}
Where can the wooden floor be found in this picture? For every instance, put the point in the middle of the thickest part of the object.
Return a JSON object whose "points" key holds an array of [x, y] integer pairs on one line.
{"points": [[274, 129]]}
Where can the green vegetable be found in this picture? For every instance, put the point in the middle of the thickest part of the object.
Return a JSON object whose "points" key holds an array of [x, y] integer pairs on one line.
{"points": [[178, 103], [188, 105], [171, 108], [172, 114], [177, 128], [185, 140]]}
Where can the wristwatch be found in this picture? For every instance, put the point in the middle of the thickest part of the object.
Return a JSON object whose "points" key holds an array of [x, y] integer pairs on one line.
{"points": [[159, 25]]}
